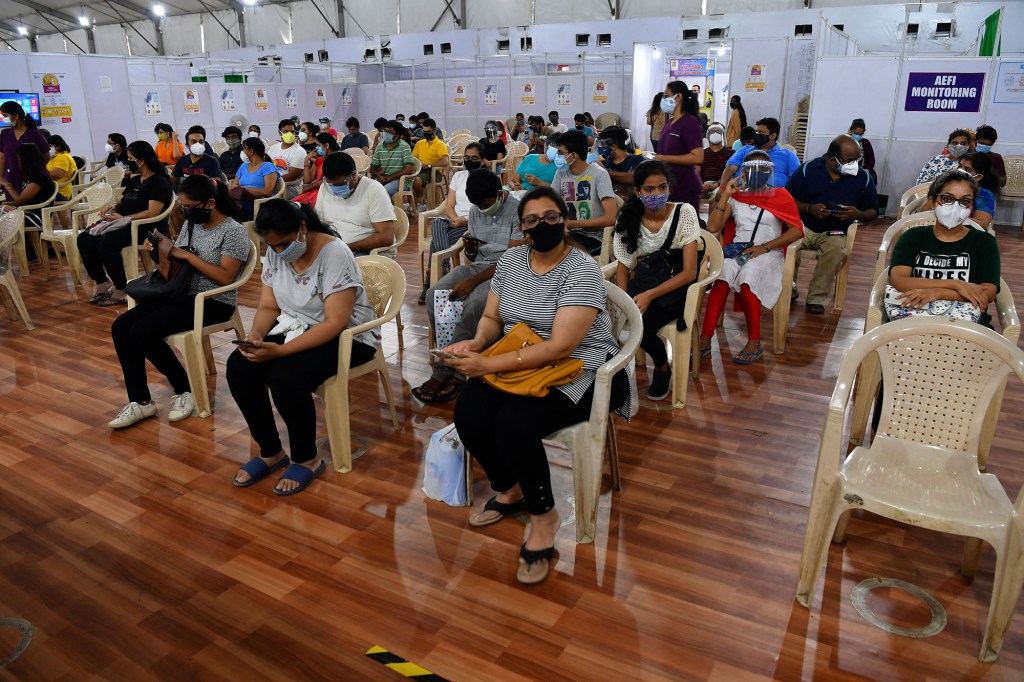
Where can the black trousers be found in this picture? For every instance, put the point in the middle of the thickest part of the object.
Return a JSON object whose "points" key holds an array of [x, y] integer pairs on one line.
{"points": [[504, 433], [654, 319], [101, 255], [291, 380], [139, 334]]}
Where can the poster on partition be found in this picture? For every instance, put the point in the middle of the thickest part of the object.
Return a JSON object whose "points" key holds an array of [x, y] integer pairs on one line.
{"points": [[600, 93], [227, 100], [261, 99], [959, 92], [54, 106], [564, 95], [320, 98], [1009, 83], [755, 78], [699, 74], [346, 96], [491, 95], [527, 94], [191, 98], [153, 104], [291, 98], [459, 95]]}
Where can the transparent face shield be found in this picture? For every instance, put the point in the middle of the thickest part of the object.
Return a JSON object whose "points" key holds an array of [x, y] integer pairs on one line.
{"points": [[756, 178]]}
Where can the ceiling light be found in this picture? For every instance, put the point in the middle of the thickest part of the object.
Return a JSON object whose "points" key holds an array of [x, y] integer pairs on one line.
{"points": [[22, 30], [83, 21], [159, 10], [249, 2], [721, 50], [656, 53]]}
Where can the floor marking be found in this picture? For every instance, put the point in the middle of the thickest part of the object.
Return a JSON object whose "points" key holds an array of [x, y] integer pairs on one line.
{"points": [[860, 596], [26, 628], [402, 666]]}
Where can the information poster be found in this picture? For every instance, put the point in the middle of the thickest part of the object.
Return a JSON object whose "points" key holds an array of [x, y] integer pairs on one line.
{"points": [[1010, 83], [564, 97], [153, 104], [527, 96], [261, 99], [227, 100], [699, 74], [754, 78], [459, 95], [960, 92], [600, 93], [291, 98], [491, 95], [346, 96], [191, 98], [54, 106]]}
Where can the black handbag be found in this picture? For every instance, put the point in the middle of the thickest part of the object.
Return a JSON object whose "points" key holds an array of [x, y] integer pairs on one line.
{"points": [[659, 267], [168, 283]]}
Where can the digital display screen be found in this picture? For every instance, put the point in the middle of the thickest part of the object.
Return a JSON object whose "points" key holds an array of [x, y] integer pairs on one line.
{"points": [[29, 101]]}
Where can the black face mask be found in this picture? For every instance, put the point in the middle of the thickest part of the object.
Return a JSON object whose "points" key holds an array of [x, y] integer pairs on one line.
{"points": [[132, 166], [546, 237], [579, 126], [536, 129], [760, 139], [471, 165], [428, 136], [197, 216], [733, 105]]}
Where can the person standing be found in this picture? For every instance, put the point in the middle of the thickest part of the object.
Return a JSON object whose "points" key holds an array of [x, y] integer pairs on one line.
{"points": [[656, 119], [681, 144], [20, 130], [857, 129], [737, 121]]}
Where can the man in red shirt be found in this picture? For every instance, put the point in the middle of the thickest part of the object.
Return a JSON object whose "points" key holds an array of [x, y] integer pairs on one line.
{"points": [[715, 157]]}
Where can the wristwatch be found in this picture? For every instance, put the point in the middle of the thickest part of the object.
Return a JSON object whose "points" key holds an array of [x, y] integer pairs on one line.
{"points": [[767, 249], [718, 208]]}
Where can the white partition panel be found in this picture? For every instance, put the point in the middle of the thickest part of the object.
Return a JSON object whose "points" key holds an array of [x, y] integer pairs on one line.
{"points": [[565, 94], [370, 104], [261, 102], [831, 107], [769, 57], [460, 105], [152, 104], [937, 124], [603, 94], [398, 97], [494, 99], [229, 104], [528, 95], [428, 95], [109, 102]]}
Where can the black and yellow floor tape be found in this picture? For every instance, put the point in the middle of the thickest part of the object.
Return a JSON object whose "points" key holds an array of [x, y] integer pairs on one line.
{"points": [[402, 666]]}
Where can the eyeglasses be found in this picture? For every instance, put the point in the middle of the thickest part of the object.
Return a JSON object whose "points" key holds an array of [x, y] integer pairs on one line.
{"points": [[946, 199], [472, 158], [551, 218]]}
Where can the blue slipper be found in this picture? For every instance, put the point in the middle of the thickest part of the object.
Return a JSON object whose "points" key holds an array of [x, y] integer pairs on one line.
{"points": [[301, 475], [258, 470], [748, 358]]}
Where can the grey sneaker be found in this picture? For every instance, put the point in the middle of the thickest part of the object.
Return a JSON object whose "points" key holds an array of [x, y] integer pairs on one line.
{"points": [[132, 414], [184, 406]]}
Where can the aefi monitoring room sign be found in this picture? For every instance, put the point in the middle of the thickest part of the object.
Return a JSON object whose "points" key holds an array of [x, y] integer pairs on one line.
{"points": [[959, 92]]}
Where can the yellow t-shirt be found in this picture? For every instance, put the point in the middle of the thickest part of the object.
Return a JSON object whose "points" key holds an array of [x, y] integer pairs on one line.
{"points": [[430, 152], [64, 162]]}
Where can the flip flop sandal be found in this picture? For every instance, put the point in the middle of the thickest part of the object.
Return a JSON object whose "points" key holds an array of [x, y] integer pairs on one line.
{"points": [[258, 470], [705, 354], [112, 301], [748, 358], [503, 509], [450, 390], [101, 296], [301, 475], [535, 565], [428, 395]]}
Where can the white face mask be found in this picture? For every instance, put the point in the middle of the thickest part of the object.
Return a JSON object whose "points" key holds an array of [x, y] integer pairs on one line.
{"points": [[303, 136], [952, 216], [197, 148], [53, 151], [108, 148], [253, 133], [244, 157], [851, 168], [715, 138]]}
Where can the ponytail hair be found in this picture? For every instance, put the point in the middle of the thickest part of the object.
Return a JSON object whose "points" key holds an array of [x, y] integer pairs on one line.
{"points": [[628, 222], [282, 217], [12, 108], [691, 105], [203, 188], [256, 146]]}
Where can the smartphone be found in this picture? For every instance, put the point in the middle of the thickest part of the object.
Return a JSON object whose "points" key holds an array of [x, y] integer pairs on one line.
{"points": [[243, 342], [442, 355]]}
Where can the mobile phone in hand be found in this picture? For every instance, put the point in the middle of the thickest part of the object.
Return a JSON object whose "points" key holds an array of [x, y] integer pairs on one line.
{"points": [[244, 343], [442, 355]]}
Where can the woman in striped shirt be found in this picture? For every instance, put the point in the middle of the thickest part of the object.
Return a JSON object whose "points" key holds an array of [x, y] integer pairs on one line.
{"points": [[558, 291]]}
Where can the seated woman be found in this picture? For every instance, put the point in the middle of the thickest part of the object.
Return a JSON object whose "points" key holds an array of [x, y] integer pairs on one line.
{"points": [[617, 155], [220, 245], [645, 222], [857, 128], [494, 146], [307, 135], [947, 261], [61, 167], [558, 291], [313, 167], [537, 170], [256, 178], [168, 147], [768, 217], [312, 291], [37, 186], [959, 143], [147, 195], [254, 131], [117, 152]]}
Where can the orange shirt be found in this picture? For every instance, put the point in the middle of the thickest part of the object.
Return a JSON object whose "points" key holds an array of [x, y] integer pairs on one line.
{"points": [[163, 152]]}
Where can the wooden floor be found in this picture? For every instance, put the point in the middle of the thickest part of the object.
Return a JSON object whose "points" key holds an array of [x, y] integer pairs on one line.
{"points": [[135, 558]]}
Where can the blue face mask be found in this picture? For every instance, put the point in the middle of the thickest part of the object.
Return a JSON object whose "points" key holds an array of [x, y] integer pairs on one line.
{"points": [[552, 155], [591, 157], [668, 104], [320, 151], [339, 190], [857, 136], [983, 147], [559, 160], [295, 251], [387, 137]]}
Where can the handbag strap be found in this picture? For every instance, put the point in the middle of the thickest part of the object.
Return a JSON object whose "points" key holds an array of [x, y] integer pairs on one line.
{"points": [[667, 244], [757, 224]]}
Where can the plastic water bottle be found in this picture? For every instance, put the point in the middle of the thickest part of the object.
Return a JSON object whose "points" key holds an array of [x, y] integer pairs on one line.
{"points": [[742, 259]]}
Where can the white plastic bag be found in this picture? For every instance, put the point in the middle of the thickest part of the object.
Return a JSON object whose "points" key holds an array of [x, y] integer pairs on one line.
{"points": [[444, 476], [447, 314]]}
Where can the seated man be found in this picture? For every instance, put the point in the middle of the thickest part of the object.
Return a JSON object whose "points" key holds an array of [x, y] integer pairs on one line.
{"points": [[616, 155], [325, 126], [358, 208], [766, 136], [232, 158], [581, 124], [392, 158], [355, 139], [984, 137], [831, 192], [289, 156], [556, 127], [716, 155], [196, 161], [587, 190], [432, 153], [493, 228]]}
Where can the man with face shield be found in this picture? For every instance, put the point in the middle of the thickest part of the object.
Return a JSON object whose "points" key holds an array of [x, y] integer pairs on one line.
{"points": [[759, 222], [831, 192]]}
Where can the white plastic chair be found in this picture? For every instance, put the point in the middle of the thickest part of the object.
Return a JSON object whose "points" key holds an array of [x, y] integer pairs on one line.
{"points": [[30, 230], [384, 282], [401, 234], [405, 190], [941, 377], [1014, 188], [844, 270], [131, 254], [10, 233], [86, 207], [915, 192], [194, 344], [425, 219], [111, 176]]}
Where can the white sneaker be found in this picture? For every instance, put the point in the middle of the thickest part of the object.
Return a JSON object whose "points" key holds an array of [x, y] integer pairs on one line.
{"points": [[132, 413], [184, 407]]}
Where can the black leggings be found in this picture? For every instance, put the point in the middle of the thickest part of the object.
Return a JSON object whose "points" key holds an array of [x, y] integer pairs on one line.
{"points": [[292, 380], [654, 319], [504, 433], [101, 255], [139, 334]]}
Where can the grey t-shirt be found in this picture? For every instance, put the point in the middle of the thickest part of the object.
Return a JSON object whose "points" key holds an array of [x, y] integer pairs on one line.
{"points": [[228, 238], [302, 295], [583, 194], [496, 230]]}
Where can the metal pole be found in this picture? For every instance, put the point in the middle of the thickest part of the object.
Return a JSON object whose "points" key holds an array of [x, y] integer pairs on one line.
{"points": [[341, 18], [240, 17], [462, 11], [159, 38]]}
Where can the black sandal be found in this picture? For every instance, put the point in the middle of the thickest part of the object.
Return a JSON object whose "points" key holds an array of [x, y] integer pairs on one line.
{"points": [[503, 508], [101, 296], [535, 566]]}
